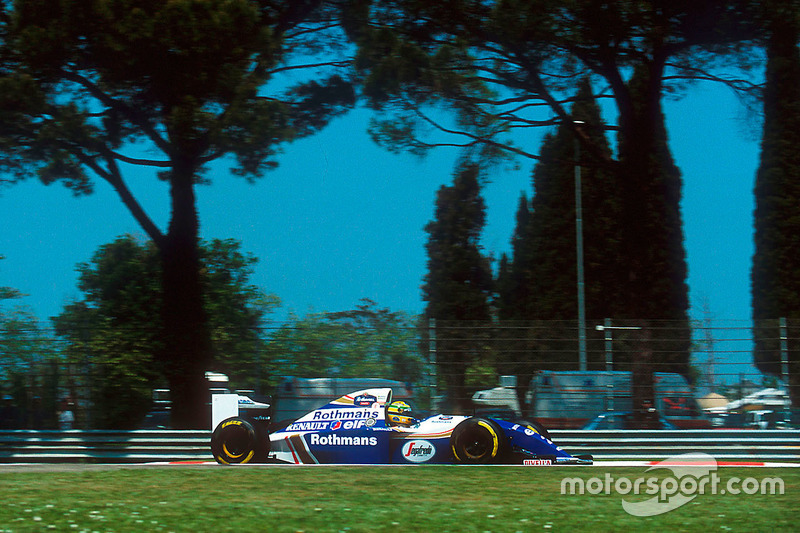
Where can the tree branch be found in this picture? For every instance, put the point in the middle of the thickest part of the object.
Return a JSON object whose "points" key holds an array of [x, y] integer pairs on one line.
{"points": [[140, 162], [694, 73], [337, 64], [113, 177], [126, 111], [475, 139]]}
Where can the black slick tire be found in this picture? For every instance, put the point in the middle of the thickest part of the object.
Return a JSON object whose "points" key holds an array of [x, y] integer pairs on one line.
{"points": [[235, 441], [478, 441]]}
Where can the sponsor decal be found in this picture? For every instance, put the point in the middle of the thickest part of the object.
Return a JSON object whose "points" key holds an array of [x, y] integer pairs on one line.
{"points": [[365, 400], [307, 426], [338, 440], [345, 414], [333, 425], [418, 451], [350, 424], [537, 462]]}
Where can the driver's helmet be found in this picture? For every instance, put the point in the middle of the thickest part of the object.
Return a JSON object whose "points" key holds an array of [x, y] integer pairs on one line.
{"points": [[400, 414]]}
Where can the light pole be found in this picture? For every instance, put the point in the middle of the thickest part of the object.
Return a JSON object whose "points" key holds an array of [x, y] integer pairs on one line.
{"points": [[579, 256]]}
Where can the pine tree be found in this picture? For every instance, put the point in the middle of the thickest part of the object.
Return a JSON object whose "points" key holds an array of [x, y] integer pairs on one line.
{"points": [[459, 279]]}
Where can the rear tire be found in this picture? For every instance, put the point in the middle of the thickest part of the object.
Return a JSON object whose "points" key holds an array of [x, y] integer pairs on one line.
{"points": [[478, 441], [237, 441]]}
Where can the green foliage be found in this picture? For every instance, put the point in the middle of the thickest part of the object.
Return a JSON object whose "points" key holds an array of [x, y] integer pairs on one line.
{"points": [[775, 284], [458, 284], [539, 282], [516, 64], [85, 86], [114, 329], [497, 65], [184, 75], [368, 341], [21, 342], [28, 364], [8, 293], [237, 311]]}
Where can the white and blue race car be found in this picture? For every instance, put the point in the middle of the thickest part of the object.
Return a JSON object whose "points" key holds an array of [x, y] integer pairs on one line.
{"points": [[358, 429]]}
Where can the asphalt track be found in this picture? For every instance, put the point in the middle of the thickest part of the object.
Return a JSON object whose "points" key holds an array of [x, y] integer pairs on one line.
{"points": [[83, 467]]}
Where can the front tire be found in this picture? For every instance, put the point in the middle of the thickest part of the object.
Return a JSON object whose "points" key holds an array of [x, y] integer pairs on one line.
{"points": [[236, 441], [478, 441], [536, 426]]}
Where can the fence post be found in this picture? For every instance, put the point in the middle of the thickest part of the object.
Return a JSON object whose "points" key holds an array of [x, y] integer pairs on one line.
{"points": [[784, 350], [609, 364], [432, 360], [609, 346]]}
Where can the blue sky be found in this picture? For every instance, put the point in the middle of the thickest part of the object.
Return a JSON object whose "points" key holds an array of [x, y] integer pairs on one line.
{"points": [[341, 219]]}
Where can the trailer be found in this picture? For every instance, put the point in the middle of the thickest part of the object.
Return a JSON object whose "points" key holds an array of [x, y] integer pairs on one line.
{"points": [[570, 399]]}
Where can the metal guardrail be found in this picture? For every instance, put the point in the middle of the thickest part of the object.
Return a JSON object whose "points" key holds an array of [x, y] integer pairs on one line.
{"points": [[76, 446], [164, 445], [722, 444]]}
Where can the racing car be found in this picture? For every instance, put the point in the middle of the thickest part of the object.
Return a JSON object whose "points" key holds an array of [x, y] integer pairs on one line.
{"points": [[366, 427]]}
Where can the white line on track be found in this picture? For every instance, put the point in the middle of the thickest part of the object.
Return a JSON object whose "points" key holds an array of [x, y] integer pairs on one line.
{"points": [[601, 463]]}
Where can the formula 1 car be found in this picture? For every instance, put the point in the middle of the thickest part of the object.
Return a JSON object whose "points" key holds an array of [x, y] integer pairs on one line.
{"points": [[357, 429]]}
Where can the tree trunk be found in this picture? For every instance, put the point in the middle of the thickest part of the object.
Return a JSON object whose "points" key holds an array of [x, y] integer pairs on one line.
{"points": [[642, 390], [638, 166], [186, 342], [653, 234]]}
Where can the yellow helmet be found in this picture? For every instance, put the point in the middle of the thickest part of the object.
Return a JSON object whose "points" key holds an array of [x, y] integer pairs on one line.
{"points": [[400, 414]]}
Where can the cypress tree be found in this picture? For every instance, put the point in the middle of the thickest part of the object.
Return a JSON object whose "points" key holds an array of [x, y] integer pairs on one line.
{"points": [[512, 285], [776, 262], [543, 268], [618, 209], [459, 279]]}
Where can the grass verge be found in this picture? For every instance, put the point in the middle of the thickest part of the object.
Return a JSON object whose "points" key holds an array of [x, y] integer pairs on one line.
{"points": [[351, 498]]}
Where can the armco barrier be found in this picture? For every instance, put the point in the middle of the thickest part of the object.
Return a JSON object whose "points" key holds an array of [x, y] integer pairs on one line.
{"points": [[103, 446], [722, 444], [164, 445]]}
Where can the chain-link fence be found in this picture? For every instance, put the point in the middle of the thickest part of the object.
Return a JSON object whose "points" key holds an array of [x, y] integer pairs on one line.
{"points": [[703, 374]]}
